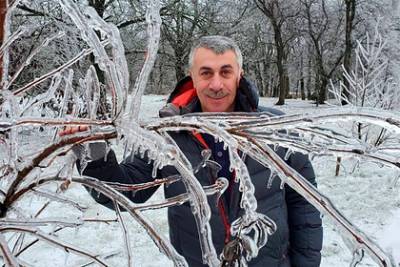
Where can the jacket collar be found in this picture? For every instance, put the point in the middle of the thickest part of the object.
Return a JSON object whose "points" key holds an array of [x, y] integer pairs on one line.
{"points": [[184, 99]]}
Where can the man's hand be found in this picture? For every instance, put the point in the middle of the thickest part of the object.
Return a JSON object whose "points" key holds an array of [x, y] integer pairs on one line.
{"points": [[68, 130]]}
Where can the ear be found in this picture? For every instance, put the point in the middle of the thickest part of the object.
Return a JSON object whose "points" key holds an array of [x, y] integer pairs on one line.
{"points": [[240, 76]]}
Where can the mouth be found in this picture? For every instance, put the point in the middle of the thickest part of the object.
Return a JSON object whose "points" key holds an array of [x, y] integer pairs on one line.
{"points": [[216, 95]]}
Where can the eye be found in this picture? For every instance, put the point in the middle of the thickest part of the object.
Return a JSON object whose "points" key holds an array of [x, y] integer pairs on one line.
{"points": [[206, 74], [226, 73]]}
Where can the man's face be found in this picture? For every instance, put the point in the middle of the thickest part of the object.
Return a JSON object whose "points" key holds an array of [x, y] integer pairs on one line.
{"points": [[216, 79]]}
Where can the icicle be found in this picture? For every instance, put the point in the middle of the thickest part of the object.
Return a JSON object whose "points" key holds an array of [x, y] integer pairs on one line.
{"points": [[271, 179], [282, 186], [288, 153], [155, 169], [276, 146], [206, 154], [225, 146]]}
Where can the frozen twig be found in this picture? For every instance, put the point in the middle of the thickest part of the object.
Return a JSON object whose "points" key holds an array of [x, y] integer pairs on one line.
{"points": [[268, 157], [61, 199], [128, 249], [52, 240], [55, 71], [218, 188], [8, 257], [137, 187]]}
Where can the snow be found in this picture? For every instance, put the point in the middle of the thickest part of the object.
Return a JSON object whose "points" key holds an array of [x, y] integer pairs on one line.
{"points": [[365, 192]]}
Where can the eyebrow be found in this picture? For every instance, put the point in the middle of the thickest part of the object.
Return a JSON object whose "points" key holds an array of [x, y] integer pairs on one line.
{"points": [[205, 68], [227, 66]]}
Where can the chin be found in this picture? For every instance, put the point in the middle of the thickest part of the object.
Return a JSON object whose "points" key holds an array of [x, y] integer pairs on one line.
{"points": [[218, 109]]}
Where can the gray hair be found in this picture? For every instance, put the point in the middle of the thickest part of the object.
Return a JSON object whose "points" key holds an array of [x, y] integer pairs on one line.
{"points": [[219, 45]]}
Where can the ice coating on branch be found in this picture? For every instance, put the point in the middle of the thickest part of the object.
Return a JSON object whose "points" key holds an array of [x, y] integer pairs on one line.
{"points": [[153, 20], [32, 55], [92, 92], [357, 239], [252, 226], [44, 97], [198, 203], [10, 111], [7, 32], [115, 68]]}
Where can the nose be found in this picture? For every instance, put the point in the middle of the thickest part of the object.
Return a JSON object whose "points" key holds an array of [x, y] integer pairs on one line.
{"points": [[216, 83]]}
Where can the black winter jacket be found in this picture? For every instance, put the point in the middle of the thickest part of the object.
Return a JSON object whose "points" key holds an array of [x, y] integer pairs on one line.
{"points": [[298, 239]]}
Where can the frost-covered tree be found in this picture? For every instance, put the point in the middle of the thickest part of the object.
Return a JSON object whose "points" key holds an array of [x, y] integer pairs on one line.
{"points": [[370, 84]]}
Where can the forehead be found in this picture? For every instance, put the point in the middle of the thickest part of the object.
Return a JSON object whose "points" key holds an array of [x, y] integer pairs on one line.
{"points": [[204, 57]]}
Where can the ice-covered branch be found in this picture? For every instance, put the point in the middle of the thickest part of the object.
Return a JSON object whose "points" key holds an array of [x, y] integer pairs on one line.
{"points": [[116, 69], [55, 71], [266, 156], [6, 125], [61, 199], [8, 257], [25, 170], [137, 187], [121, 200], [218, 188], [30, 57], [153, 20], [128, 249], [52, 240]]}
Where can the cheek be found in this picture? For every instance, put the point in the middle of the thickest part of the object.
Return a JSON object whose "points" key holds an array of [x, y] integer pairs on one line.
{"points": [[201, 86]]}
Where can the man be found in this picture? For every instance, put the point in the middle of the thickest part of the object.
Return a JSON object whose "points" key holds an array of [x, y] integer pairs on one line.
{"points": [[216, 84]]}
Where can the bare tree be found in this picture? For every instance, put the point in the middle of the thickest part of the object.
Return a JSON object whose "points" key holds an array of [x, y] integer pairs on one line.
{"points": [[349, 22], [3, 12], [186, 20], [280, 14], [320, 23]]}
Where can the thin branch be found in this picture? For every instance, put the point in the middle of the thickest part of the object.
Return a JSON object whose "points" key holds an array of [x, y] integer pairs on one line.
{"points": [[128, 249], [54, 241], [8, 257], [59, 198], [61, 68]]}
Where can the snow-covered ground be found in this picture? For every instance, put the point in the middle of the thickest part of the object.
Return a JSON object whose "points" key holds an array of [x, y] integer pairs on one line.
{"points": [[367, 195]]}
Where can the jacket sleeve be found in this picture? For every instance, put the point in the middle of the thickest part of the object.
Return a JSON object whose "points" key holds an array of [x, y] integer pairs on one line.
{"points": [[304, 220], [130, 171]]}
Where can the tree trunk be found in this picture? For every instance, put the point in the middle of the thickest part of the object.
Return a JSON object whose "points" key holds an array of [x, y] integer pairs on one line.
{"points": [[267, 75], [309, 95], [179, 64], [3, 12], [322, 89], [302, 93], [259, 80], [350, 14], [280, 62], [103, 108]]}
